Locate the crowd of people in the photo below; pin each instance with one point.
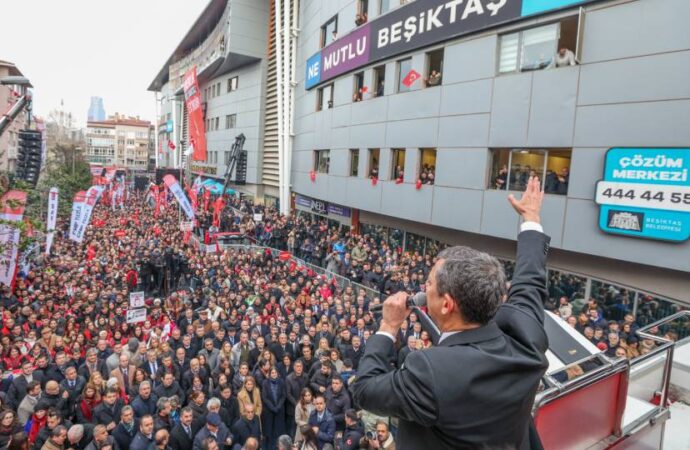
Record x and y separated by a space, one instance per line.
239 349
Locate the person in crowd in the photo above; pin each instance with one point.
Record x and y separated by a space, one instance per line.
216 429
322 423
144 437
247 427
126 428
564 58
182 435
57 439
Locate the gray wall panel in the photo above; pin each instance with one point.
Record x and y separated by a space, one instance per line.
367 136
587 167
370 111
498 217
460 167
459 209
414 105
466 98
404 200
464 131
510 110
553 108
471 60
412 133
552 217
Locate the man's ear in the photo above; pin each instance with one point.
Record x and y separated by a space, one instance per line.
448 305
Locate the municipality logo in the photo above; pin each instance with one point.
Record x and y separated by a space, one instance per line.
625 220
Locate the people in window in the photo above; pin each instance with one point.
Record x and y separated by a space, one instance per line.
564 58
379 88
434 78
399 174
374 172
428 174
361 19
502 178
357 96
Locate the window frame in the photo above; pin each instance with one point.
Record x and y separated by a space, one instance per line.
319 97
377 71
324 31
511 150
395 156
400 77
230 87
370 155
354 165
319 157
359 76
427 66
227 121
420 166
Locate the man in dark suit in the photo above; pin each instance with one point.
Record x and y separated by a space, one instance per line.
476 387
93 364
128 427
108 412
182 436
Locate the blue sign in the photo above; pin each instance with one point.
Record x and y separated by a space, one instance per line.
530 7
169 126
646 193
313 71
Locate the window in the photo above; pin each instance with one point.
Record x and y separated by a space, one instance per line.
358 87
404 68
398 164
216 126
230 121
379 80
384 6
362 16
354 162
537 48
373 166
232 84
434 68
325 98
322 161
329 31
427 165
218 88
511 169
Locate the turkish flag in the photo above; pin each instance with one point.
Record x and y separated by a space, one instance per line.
171 145
120 233
411 77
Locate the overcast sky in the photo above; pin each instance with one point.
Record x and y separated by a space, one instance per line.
75 49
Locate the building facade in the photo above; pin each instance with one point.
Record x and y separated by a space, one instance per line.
228 45
119 141
96 110
9 140
417 119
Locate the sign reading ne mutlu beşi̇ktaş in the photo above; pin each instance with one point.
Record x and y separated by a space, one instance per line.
646 193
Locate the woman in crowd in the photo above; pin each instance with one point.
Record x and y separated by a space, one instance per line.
249 394
302 411
88 401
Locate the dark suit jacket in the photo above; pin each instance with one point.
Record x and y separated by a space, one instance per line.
179 439
476 388
122 436
104 415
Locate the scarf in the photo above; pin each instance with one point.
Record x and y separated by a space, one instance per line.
36 426
87 406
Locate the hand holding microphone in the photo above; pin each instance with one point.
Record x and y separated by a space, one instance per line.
419 299
398 306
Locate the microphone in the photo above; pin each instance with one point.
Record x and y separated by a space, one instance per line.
419 299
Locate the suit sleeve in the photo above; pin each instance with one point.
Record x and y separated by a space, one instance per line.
528 287
406 393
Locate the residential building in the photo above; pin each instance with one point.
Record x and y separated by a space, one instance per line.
119 141
9 139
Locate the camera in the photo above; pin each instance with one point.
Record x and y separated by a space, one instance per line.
371 435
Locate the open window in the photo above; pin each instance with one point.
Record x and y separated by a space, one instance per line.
362 15
511 169
322 161
373 166
404 68
384 6
427 165
233 84
325 98
379 81
354 162
434 68
547 46
398 165
358 87
329 31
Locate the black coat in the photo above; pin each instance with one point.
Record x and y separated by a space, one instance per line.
485 379
179 439
244 429
293 389
124 437
103 415
276 404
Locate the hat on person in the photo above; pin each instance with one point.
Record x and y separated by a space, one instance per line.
213 419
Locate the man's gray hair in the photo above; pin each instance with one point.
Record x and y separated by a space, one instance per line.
284 442
75 432
162 402
213 402
144 384
475 280
126 409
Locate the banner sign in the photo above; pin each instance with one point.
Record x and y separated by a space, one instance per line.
81 212
258 217
418 24
187 226
136 315
136 299
77 212
321 207
303 201
338 210
197 132
51 220
176 189
13 203
646 193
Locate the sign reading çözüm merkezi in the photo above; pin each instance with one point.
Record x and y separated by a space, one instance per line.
646 193
415 25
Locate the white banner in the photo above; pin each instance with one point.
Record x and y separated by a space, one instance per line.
187 226
258 217
9 235
77 213
136 299
52 217
84 214
176 189
136 315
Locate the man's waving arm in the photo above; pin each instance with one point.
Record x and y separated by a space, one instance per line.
528 287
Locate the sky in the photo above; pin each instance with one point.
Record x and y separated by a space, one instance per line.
72 50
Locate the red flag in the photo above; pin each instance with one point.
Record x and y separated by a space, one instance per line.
374 181
187 235
218 250
312 176
418 184
218 206
411 77
207 199
171 145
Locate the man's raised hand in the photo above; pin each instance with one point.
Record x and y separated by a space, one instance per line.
529 206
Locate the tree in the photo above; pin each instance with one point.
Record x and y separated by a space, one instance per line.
69 172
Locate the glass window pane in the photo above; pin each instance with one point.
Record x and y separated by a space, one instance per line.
385 6
414 243
557 172
395 239
499 169
569 287
508 58
525 163
404 68
539 47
